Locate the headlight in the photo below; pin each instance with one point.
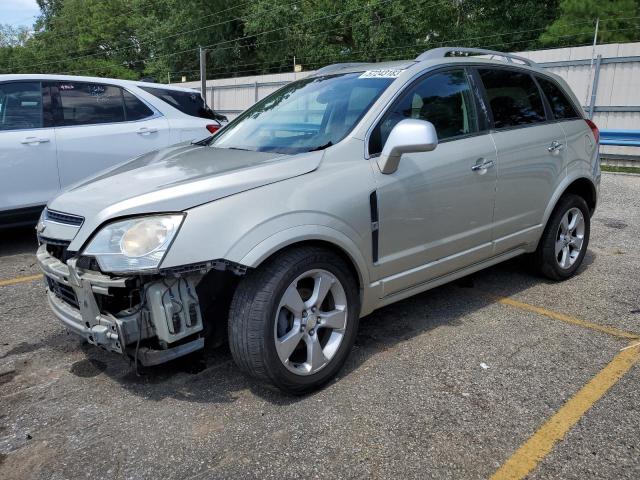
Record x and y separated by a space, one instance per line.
134 245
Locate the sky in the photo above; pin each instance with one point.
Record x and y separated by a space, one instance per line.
18 12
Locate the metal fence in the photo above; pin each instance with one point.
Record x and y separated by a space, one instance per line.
606 79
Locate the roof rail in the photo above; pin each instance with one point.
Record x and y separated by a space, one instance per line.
444 51
336 66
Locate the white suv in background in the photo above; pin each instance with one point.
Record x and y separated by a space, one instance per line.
56 130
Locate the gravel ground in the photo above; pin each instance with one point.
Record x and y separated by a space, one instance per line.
413 400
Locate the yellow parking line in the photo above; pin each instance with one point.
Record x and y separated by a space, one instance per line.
527 457
565 318
13 281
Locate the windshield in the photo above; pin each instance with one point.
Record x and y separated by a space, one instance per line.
307 115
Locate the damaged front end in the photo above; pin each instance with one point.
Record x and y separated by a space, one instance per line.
155 317
152 317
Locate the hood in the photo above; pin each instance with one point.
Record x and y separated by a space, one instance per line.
175 179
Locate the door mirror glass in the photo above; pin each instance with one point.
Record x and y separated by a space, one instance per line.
408 136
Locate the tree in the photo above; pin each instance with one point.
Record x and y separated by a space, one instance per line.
13 36
49 10
160 38
325 31
576 23
175 29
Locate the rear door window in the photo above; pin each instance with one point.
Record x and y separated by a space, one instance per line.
513 96
561 106
90 104
189 103
20 106
444 99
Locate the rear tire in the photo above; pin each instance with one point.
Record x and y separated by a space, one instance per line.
294 319
565 239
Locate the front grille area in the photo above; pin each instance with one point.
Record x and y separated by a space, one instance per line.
64 218
57 248
63 292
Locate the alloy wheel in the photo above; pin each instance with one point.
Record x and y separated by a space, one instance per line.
311 321
570 238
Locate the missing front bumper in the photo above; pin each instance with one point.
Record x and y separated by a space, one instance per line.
169 321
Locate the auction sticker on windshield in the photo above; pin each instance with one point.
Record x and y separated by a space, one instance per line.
383 73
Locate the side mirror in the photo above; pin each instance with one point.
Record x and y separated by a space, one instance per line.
408 136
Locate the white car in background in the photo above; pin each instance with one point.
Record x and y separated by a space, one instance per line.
56 130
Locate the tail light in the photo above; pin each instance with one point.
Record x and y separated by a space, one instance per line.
594 129
213 128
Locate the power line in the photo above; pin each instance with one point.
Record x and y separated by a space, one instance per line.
237 39
256 44
464 39
386 18
138 44
395 57
126 13
388 48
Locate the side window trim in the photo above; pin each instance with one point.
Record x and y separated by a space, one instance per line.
481 99
48 120
57 105
401 94
548 112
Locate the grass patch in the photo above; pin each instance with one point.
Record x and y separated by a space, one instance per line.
609 168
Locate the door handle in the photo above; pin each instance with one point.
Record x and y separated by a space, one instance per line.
34 140
482 165
146 131
555 146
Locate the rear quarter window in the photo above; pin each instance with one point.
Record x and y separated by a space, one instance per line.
135 108
189 103
513 96
560 104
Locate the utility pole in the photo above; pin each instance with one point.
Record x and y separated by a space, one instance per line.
203 74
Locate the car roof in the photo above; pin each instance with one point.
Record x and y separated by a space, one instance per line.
75 78
436 57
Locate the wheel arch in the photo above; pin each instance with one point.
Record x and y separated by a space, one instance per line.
582 186
316 235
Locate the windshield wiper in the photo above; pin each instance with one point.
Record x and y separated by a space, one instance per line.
322 147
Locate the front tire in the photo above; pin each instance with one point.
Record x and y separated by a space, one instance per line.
294 319
565 239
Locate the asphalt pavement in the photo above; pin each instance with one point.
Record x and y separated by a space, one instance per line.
452 383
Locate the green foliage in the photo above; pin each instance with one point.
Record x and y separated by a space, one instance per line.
609 168
325 31
619 22
160 38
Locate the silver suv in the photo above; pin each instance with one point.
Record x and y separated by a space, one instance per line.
354 188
